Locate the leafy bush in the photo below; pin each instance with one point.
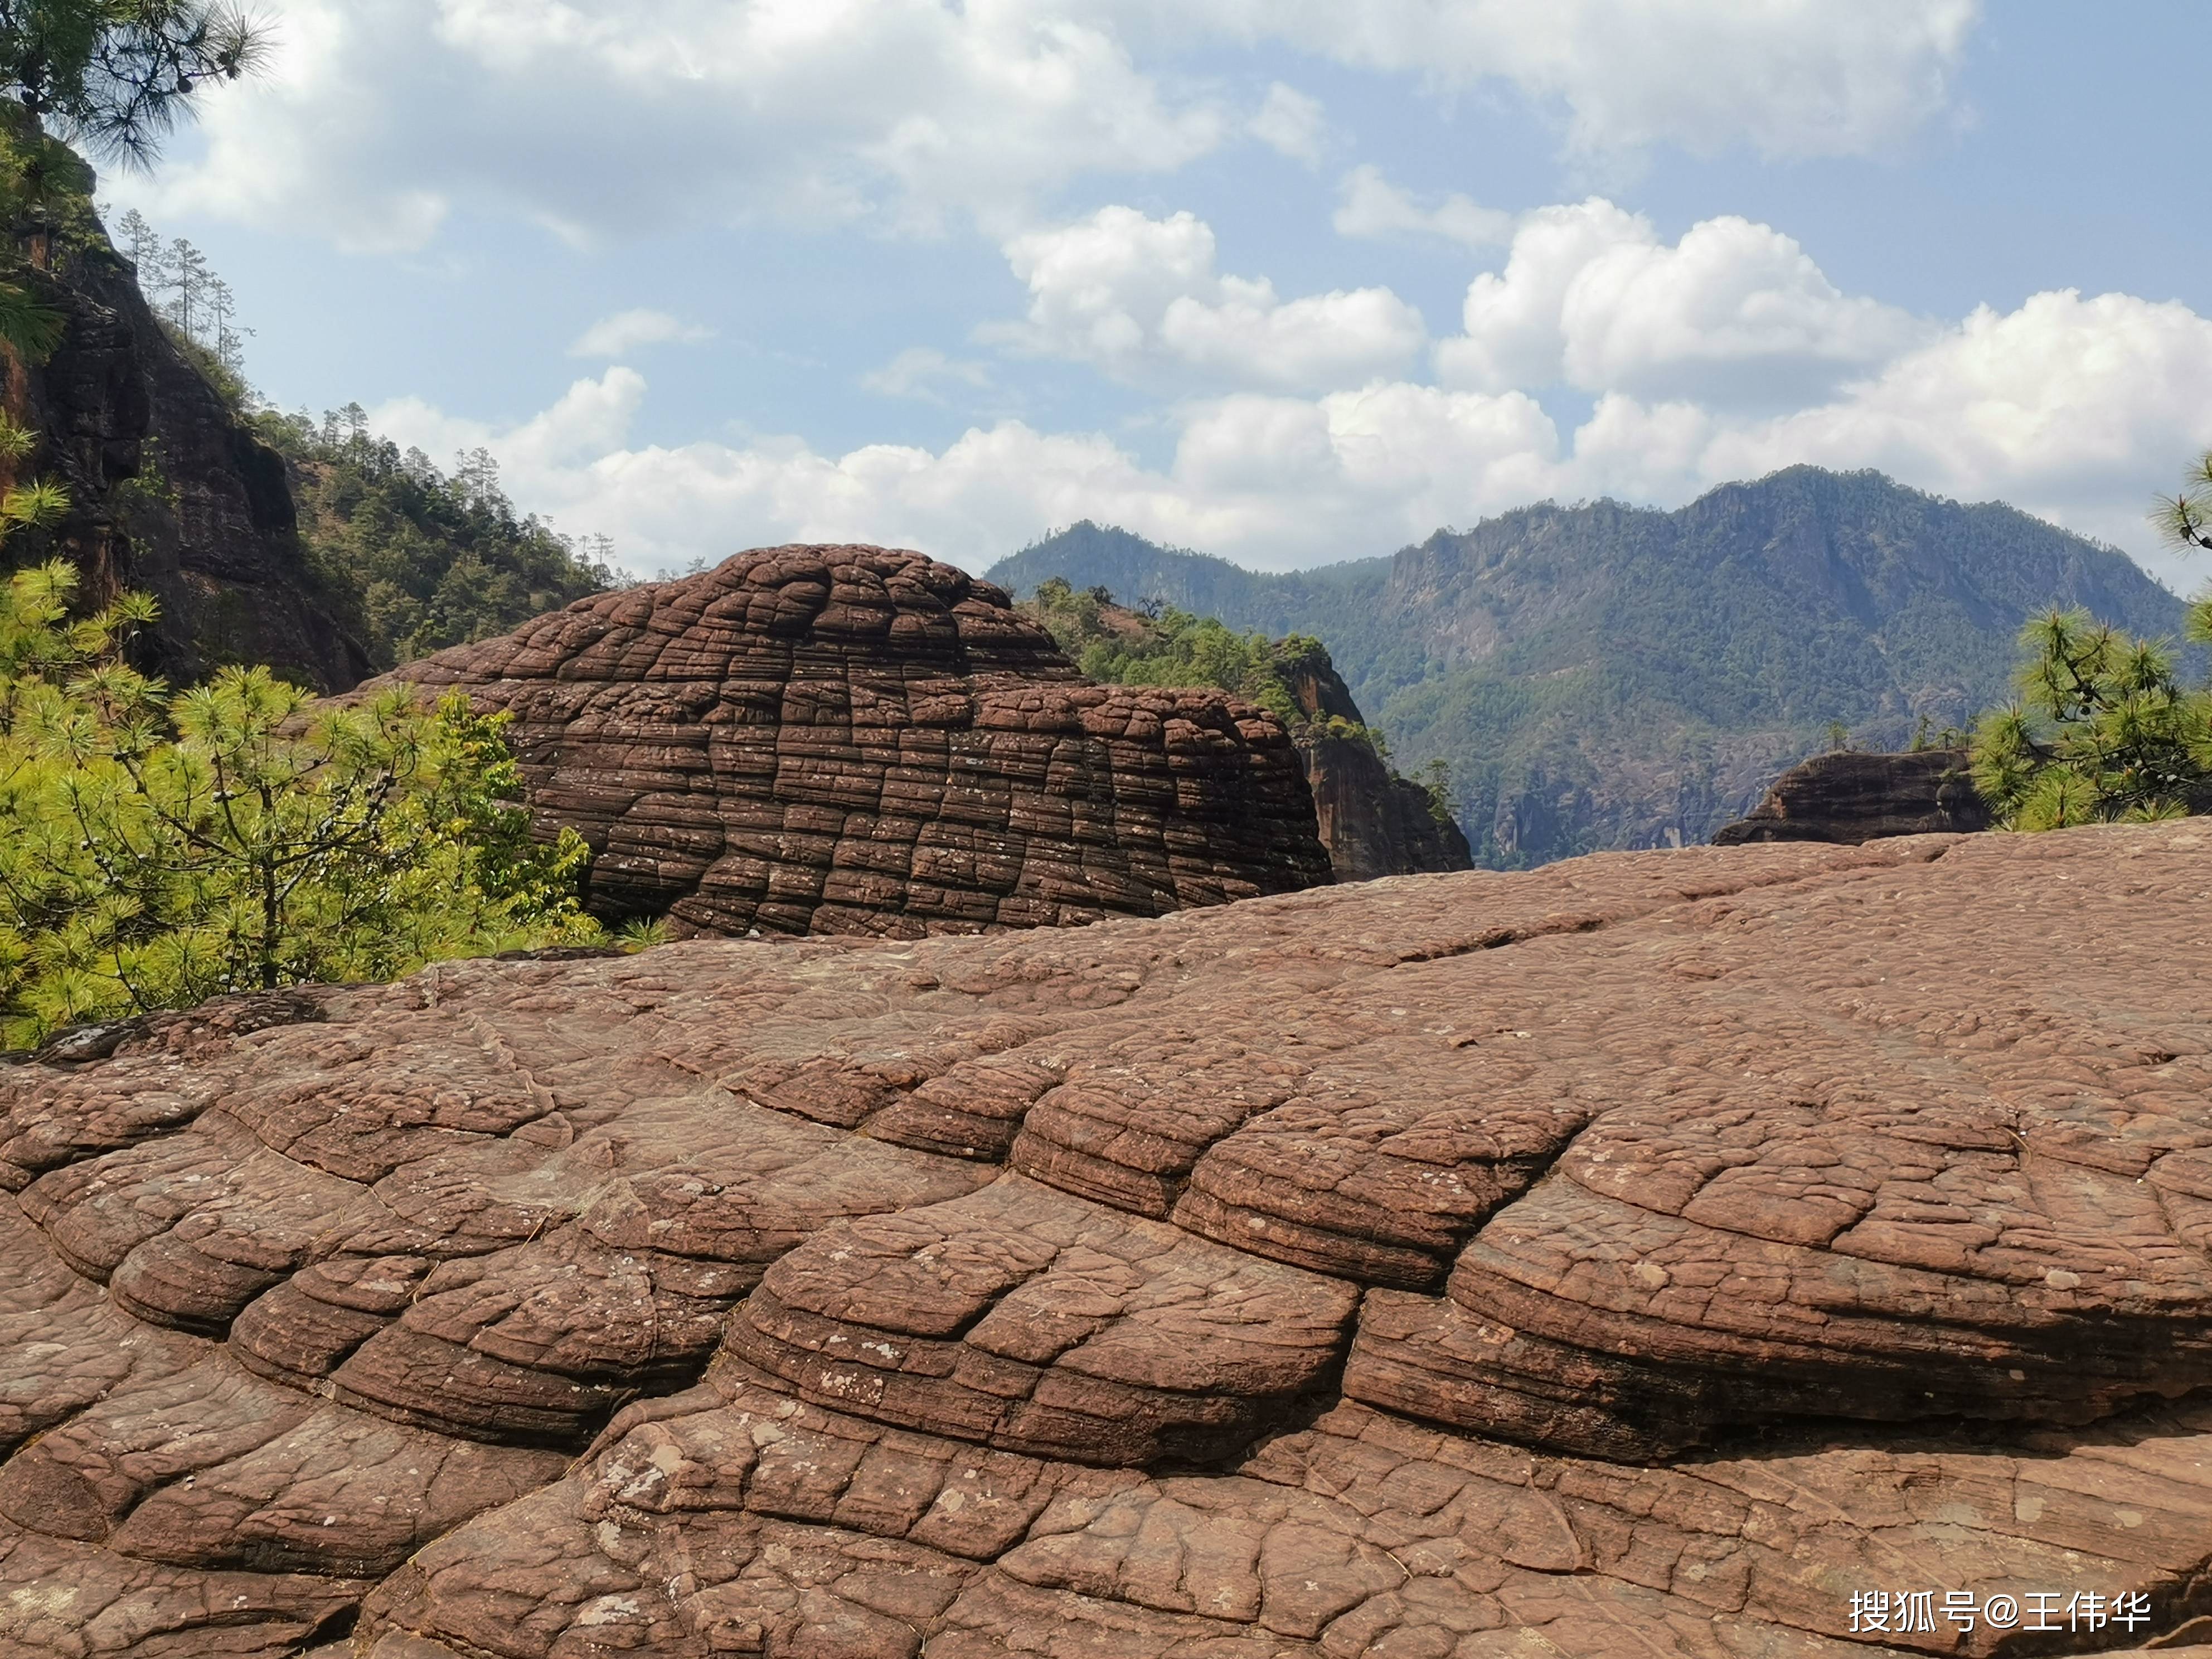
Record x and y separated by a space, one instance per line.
159 847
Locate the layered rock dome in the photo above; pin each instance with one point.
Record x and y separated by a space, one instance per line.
844 740
1646 1255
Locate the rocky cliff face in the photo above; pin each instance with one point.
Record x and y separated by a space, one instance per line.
1373 822
1853 797
857 740
1645 1256
170 492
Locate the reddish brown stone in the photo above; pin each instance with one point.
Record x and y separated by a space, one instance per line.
856 740
1639 1256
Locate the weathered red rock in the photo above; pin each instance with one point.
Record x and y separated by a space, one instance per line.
1643 1255
1851 798
856 740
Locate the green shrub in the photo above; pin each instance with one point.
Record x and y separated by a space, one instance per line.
159 847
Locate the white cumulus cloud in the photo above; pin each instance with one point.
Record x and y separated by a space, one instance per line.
1370 205
1785 78
1291 123
921 371
624 332
1139 298
1734 313
2077 408
601 117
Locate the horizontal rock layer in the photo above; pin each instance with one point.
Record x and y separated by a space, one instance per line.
1853 797
1645 1255
856 740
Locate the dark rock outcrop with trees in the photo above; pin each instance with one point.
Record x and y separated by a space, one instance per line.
1850 797
1373 820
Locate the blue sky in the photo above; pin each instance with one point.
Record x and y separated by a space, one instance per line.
1286 280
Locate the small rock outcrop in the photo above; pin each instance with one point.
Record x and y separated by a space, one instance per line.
1850 797
170 492
1654 1256
844 739
1373 822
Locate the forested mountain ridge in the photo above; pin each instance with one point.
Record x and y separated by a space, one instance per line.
167 490
1608 676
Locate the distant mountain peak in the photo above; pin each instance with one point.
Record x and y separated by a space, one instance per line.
1608 675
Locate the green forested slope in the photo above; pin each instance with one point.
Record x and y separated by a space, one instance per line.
1606 676
410 557
422 558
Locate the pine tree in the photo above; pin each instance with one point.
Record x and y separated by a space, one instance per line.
142 246
187 277
229 340
157 848
2105 730
115 75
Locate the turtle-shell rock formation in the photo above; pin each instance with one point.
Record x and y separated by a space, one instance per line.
1777 1251
858 740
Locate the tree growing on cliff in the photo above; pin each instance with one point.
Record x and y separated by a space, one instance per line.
425 559
160 847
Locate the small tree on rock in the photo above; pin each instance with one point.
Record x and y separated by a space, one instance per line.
2104 729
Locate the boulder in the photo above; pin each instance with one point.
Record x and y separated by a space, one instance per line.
858 740
1847 797
1768 1250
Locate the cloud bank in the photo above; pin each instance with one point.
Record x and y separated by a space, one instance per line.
1305 443
600 118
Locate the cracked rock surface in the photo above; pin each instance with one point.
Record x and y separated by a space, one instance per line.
844 740
1646 1255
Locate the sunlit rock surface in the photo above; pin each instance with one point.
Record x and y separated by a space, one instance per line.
1646 1255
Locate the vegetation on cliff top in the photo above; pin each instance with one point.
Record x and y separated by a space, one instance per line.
1159 645
414 558
1152 644
423 558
